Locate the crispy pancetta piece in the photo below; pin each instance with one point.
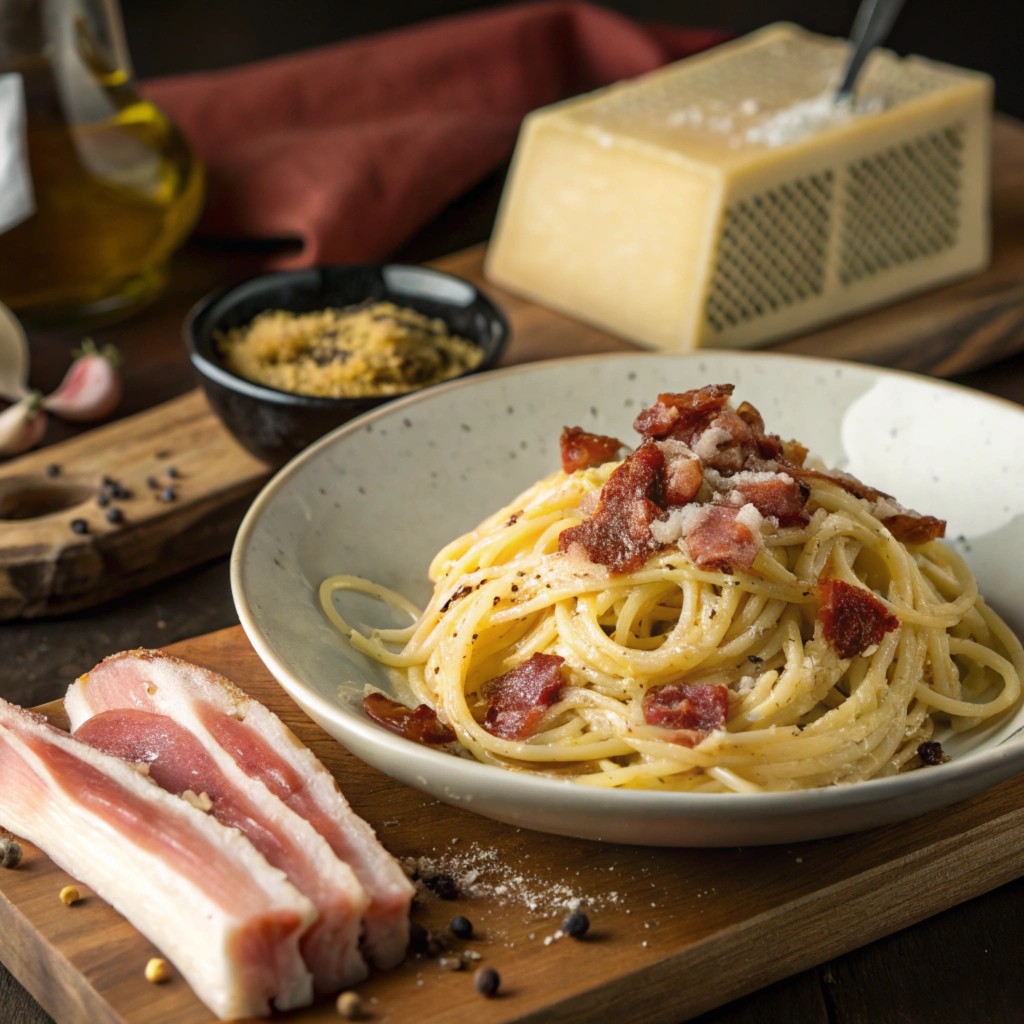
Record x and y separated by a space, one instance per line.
724 538
419 724
618 534
246 739
913 528
852 618
518 700
691 712
228 921
775 495
581 449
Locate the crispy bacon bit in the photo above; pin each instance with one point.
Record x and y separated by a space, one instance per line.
726 443
932 753
852 618
849 483
794 453
769 445
720 542
518 699
455 595
581 449
618 534
911 528
684 473
779 496
692 712
673 413
421 724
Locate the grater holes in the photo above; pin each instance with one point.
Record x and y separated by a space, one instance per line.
772 252
901 204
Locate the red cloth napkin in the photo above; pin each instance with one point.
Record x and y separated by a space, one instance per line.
352 148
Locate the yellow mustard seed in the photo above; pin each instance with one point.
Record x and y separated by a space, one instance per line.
70 894
158 970
349 1006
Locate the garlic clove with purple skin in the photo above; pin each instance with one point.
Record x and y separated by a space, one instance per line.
91 389
22 425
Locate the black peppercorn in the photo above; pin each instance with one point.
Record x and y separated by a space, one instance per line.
487 981
120 492
115 515
576 924
461 927
79 526
102 500
442 886
931 753
167 494
152 483
172 472
419 940
53 470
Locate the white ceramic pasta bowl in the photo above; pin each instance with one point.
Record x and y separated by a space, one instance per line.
382 494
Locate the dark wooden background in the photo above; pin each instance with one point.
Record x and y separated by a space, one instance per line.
962 966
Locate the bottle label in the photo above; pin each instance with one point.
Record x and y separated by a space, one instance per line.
17 200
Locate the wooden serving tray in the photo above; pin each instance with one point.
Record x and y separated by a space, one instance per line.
673 932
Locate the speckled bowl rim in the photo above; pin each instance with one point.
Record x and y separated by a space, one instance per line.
466 774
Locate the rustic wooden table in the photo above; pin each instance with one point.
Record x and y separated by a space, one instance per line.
961 966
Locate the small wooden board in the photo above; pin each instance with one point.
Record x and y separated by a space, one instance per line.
46 567
685 930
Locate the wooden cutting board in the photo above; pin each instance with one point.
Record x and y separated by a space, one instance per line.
45 568
673 932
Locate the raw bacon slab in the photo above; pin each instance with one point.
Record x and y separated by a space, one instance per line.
232 726
178 762
227 920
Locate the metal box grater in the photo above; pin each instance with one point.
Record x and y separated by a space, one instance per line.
727 201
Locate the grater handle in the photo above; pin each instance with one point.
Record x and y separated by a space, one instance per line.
873 22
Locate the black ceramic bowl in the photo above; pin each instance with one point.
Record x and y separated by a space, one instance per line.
275 425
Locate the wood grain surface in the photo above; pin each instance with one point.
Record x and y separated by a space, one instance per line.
46 567
727 921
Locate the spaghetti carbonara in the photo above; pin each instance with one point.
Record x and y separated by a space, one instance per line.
708 613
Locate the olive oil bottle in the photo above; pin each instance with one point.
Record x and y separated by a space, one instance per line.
111 187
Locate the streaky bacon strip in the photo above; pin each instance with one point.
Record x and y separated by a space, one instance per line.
581 449
420 724
720 543
778 496
692 712
518 699
227 920
178 762
852 618
618 534
261 745
911 528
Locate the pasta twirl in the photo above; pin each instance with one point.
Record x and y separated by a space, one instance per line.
741 651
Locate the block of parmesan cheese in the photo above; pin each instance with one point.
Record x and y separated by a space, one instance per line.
727 200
